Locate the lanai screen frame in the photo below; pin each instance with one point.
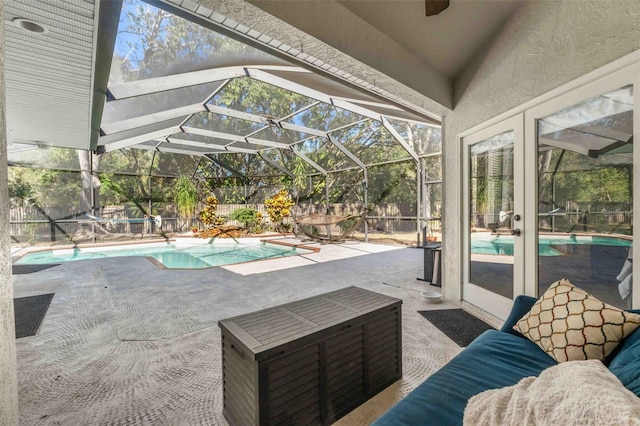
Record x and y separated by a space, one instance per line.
164 135
170 131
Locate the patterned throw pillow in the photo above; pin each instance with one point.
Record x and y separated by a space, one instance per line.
569 324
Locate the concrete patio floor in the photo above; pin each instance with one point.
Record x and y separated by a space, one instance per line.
127 343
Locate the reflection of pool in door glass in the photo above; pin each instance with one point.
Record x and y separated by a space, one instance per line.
491 207
585 188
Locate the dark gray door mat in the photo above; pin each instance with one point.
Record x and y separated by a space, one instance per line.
29 313
460 326
28 269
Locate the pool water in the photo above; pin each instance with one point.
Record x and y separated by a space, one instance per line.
175 256
503 244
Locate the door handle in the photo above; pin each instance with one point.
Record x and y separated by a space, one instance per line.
516 232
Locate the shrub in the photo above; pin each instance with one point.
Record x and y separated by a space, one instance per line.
279 207
248 216
208 216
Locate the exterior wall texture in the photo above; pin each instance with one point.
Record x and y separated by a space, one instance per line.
8 371
546 44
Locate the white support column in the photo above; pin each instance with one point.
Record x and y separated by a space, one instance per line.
419 187
366 204
8 365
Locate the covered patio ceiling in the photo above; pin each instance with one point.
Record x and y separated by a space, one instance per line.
166 83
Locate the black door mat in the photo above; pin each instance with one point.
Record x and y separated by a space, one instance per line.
29 313
460 326
28 269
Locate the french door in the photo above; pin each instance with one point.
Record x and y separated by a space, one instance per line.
550 194
493 256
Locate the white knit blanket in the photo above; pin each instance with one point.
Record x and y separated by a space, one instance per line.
571 393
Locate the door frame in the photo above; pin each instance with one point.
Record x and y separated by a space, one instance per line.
486 300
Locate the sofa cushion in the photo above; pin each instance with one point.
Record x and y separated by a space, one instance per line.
495 359
552 398
626 363
570 324
521 305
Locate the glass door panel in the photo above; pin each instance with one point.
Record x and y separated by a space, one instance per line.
494 254
491 208
585 196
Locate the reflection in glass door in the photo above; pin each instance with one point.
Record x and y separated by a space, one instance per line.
585 188
494 246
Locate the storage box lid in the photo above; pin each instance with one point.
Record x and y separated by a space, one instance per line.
262 332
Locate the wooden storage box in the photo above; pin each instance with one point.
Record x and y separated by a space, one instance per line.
311 361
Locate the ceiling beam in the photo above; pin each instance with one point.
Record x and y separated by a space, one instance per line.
263 120
165 147
135 140
399 138
267 143
276 165
225 166
308 160
311 93
346 126
193 78
213 134
105 32
137 135
216 109
145 120
224 148
302 129
346 152
176 81
232 137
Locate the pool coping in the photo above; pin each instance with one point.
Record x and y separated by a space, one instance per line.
157 263
162 266
32 249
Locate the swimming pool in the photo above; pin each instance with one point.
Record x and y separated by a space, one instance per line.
173 255
547 245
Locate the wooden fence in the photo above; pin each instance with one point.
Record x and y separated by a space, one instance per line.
570 217
34 223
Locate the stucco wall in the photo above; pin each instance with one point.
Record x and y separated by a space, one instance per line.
546 44
8 376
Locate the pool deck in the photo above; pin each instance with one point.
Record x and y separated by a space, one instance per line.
124 342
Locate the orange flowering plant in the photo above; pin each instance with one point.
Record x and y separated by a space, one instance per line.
208 216
279 207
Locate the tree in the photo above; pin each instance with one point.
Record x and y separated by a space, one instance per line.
185 195
21 191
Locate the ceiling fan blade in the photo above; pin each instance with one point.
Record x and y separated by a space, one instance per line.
433 7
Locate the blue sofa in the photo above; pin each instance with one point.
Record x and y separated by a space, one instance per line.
493 360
